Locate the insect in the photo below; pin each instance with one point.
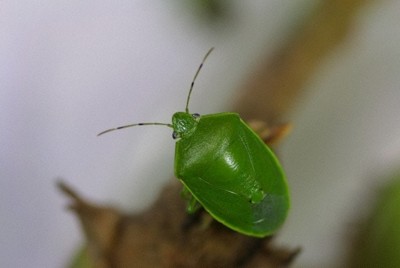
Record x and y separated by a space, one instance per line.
227 169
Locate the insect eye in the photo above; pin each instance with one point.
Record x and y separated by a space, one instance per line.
196 115
175 135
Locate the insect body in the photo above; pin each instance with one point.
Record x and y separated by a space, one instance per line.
229 170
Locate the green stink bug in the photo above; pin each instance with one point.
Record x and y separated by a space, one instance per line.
226 168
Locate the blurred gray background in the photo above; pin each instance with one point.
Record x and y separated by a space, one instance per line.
70 69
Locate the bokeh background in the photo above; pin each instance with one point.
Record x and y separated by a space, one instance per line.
70 69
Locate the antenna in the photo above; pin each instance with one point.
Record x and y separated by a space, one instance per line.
133 125
164 124
195 76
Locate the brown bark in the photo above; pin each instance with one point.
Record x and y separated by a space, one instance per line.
165 236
